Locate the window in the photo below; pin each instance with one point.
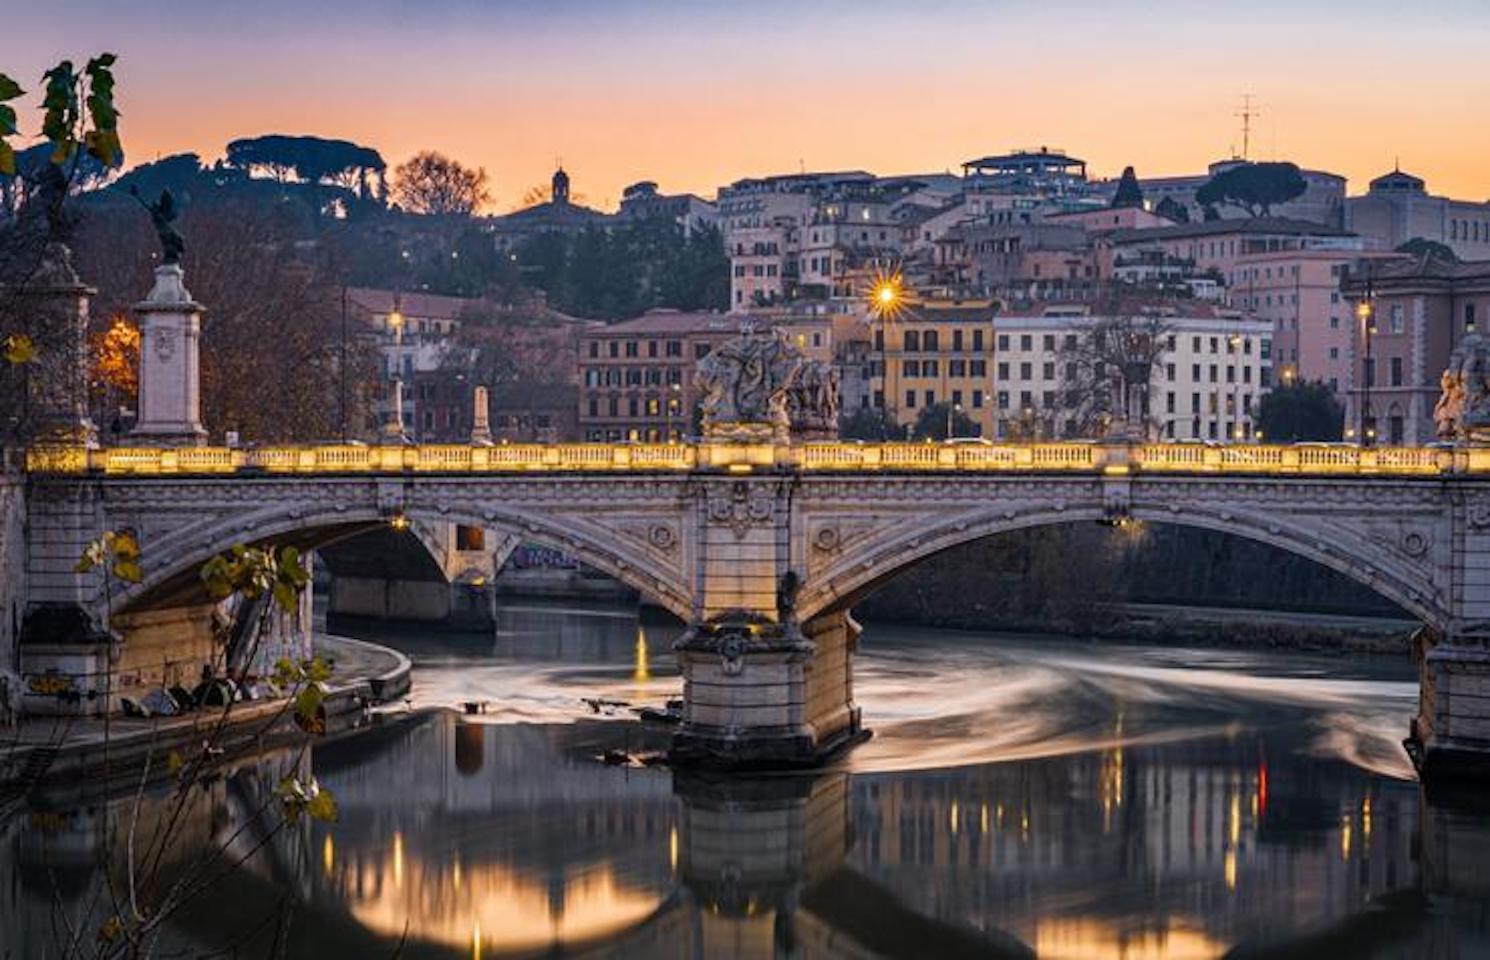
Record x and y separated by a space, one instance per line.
910 399
977 399
1213 373
1194 344
1026 342
1194 403
1003 369
930 398
912 341
1469 318
929 340
930 368
956 368
956 398
651 348
1047 372
1026 370
957 340
1003 399
1049 341
1169 370
1334 323
615 348
910 368
978 368
675 348
879 340
1026 399
1396 371
977 341
1195 372
1396 318
594 348
1369 366
1169 402
1003 341
630 348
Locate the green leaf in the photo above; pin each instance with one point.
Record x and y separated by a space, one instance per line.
308 701
7 120
285 596
322 806
9 89
318 671
7 159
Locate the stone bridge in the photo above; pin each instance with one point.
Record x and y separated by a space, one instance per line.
763 548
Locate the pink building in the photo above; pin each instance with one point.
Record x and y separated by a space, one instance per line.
1213 247
1298 291
1418 310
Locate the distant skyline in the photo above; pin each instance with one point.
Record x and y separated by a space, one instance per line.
696 96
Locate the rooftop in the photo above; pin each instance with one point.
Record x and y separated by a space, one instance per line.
410 303
672 322
1268 226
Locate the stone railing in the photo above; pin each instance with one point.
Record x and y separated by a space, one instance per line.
835 457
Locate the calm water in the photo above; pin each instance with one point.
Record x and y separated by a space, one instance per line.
1020 798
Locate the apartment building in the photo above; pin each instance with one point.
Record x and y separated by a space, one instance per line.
636 377
1298 291
1209 374
935 354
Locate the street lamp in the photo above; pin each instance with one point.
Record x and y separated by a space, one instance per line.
1366 312
951 409
674 389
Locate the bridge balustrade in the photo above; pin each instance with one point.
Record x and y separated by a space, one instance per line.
1069 456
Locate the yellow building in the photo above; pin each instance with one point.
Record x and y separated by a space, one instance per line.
934 352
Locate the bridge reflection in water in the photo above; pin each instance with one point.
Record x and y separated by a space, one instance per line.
480 840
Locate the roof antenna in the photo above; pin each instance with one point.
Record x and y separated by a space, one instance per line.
1248 113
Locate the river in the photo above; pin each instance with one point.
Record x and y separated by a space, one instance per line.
1022 796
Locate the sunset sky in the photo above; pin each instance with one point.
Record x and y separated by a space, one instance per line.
694 94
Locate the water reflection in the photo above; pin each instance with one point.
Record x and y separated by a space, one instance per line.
1169 823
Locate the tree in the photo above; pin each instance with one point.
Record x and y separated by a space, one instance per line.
309 160
872 424
1106 371
1171 209
272 345
933 421
434 184
1129 193
1306 410
41 348
1253 187
1429 250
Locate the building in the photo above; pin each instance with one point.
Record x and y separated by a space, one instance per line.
1322 202
1212 247
413 330
642 202
1407 317
1298 292
636 377
1206 381
1398 208
558 214
935 353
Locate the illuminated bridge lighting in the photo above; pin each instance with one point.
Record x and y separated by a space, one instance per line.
1095 458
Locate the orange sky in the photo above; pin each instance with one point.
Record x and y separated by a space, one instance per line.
694 95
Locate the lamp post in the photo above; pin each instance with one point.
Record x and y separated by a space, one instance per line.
1366 311
395 426
674 389
951 409
1235 343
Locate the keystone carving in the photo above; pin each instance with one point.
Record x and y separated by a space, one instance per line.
742 510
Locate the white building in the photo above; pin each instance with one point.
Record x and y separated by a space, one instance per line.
1209 376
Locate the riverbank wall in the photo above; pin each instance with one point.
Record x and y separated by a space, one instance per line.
12 578
45 750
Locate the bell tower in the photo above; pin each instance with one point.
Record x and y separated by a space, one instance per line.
561 186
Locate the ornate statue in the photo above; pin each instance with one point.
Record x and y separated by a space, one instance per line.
744 387
163 216
812 400
1450 407
1463 409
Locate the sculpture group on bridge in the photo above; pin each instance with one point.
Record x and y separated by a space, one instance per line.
759 388
1463 410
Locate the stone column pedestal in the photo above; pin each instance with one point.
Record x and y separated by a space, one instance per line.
1450 736
767 695
170 412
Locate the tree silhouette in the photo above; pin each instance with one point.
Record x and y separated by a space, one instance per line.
1253 187
434 184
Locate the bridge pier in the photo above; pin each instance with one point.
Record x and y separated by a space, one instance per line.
1450 736
762 694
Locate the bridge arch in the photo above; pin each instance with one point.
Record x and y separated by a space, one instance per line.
171 562
865 566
